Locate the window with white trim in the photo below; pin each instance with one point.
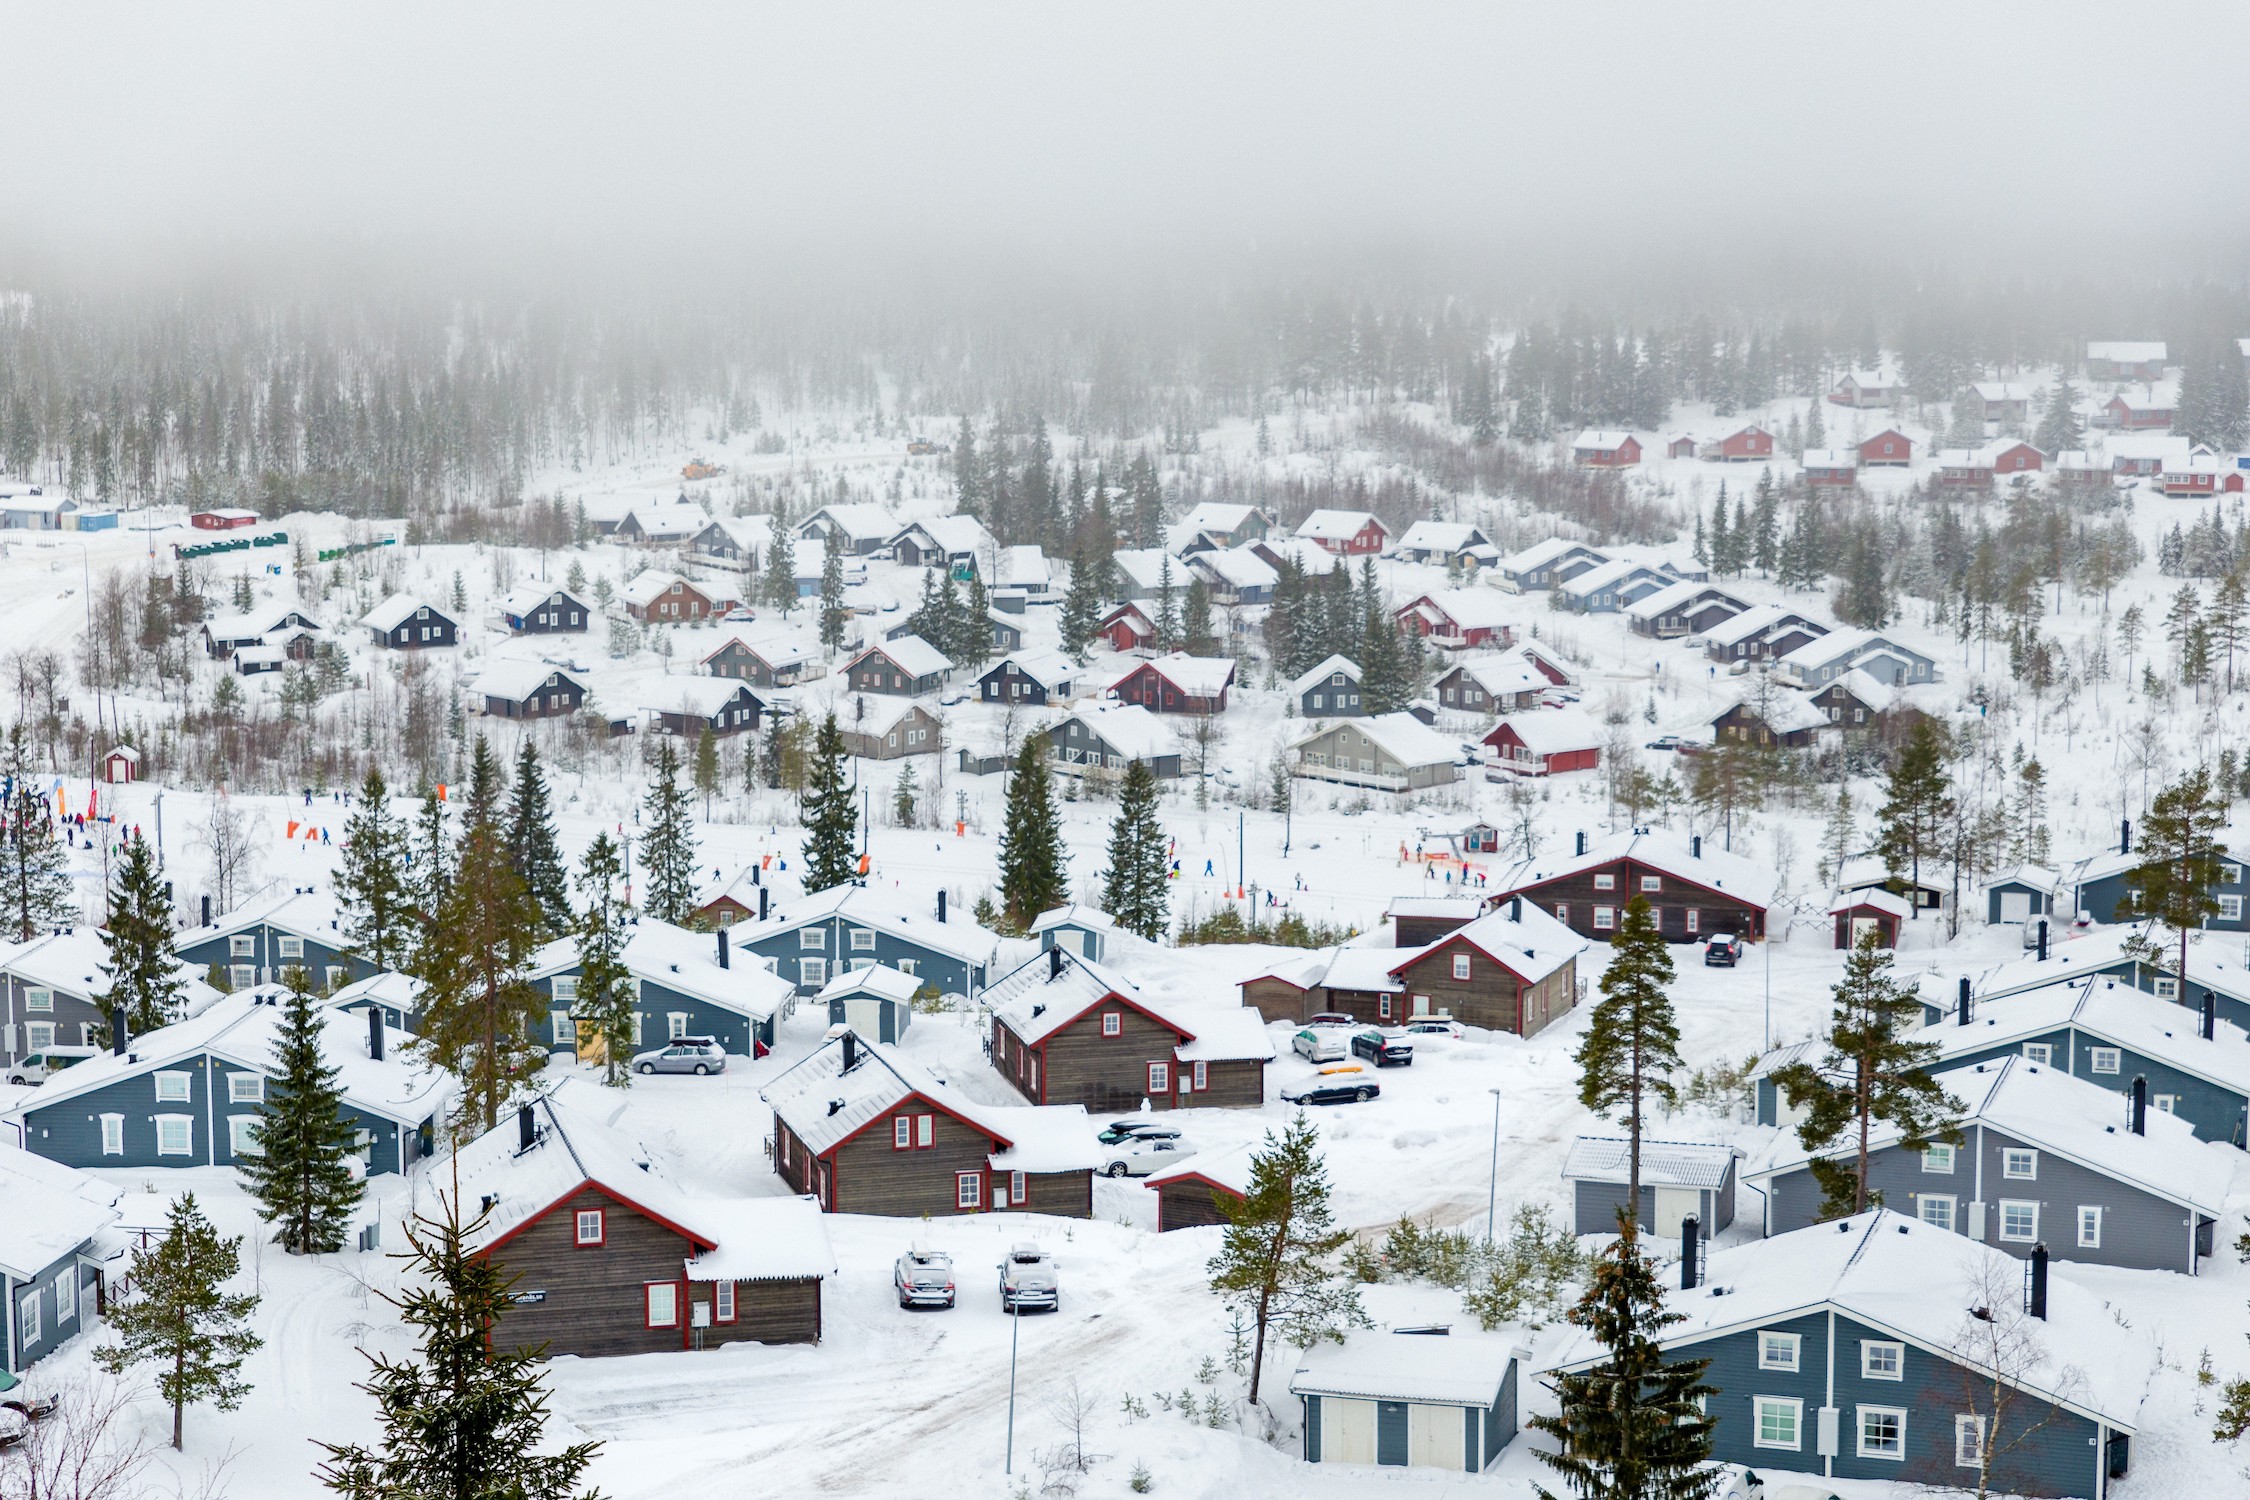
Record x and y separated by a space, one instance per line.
2042 1053
1605 918
1780 1421
241 976
39 999
1159 1078
27 1319
172 1087
113 1135
175 1135
1651 884
1882 1359
1778 1351
1113 1023
863 940
1605 882
2089 1226
2105 1059
1968 1440
663 1304
1882 1432
2230 908
242 1135
588 1228
722 1301
565 987
292 947
39 1036
66 1296
675 1024
1937 1158
1460 966
811 937
244 946
812 971
2019 1220
564 1030
2167 989
968 1190
1936 1210
2019 1164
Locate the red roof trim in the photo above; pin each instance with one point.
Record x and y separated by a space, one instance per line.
1158 1187
1458 936
643 1210
1629 894
1088 1009
912 1094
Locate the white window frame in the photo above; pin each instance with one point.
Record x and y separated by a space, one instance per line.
1780 1351
809 938
1113 1023
2166 988
968 1190
242 945
2023 1236
66 1296
1460 966
863 940
185 1123
2230 908
561 1028
1605 882
242 976
242 1135
39 998
1779 1406
1605 919
174 1086
113 1135
2105 1059
39 1036
246 1088
292 947
675 1025
1924 1202
1968 1440
2041 1053
812 972
1882 1359
1938 1159
2089 1226
565 989
1897 1450
2019 1164
1651 884
27 1318
578 1235
722 1300
661 1296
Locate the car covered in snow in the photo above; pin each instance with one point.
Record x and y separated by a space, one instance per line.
1434 1026
1723 951
1322 1044
1139 1155
1339 1085
923 1278
1028 1278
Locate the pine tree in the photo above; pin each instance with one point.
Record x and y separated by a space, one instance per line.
1765 525
668 848
1633 1426
35 890
1816 431
481 1019
432 859
1034 865
143 972
1840 837
1082 607
2058 424
301 1174
2177 885
1135 890
833 613
1275 1258
605 988
1168 624
487 783
1917 804
781 559
829 812
181 1319
371 880
467 1418
707 768
1722 535
968 470
1871 1071
1195 621
2030 839
1632 1045
534 852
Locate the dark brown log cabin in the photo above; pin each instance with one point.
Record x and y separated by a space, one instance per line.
590 1294
1190 1202
779 1311
1417 921
1590 897
1460 979
1281 997
1063 1034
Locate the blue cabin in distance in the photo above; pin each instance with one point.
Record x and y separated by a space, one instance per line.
1078 929
1426 1398
2098 888
810 938
259 943
877 1003
687 983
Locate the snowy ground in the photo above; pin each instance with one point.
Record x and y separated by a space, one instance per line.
915 1404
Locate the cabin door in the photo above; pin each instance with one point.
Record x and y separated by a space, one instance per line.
1433 1437
1862 926
1673 1205
2015 906
1347 1431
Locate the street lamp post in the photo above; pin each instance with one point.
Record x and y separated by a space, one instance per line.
1492 1189
1015 1337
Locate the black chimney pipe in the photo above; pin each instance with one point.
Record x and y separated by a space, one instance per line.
851 1050
2042 921
1581 841
2210 1015
206 911
1515 908
117 1034
765 901
1961 1006
754 880
1691 1236
1054 962
1695 846
375 1032
941 903
527 1132
2140 1105
723 948
2125 836
2038 1307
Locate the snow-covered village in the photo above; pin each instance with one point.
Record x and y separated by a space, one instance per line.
1305 862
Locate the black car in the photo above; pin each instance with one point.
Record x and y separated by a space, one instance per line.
1131 1130
1723 951
1331 1089
1383 1051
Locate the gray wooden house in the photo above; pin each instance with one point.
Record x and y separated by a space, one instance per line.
1390 752
528 690
907 666
1328 691
772 661
1034 678
260 942
1680 1180
404 623
1111 736
50 1270
1423 1398
877 1003
811 938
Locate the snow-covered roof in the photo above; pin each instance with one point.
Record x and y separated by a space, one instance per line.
1678 596
1919 1284
1505 675
2158 447
1223 1035
1216 515
779 652
75 962
701 696
1831 458
1539 554
2000 390
402 992
762 1239
1305 682
1441 536
2126 351
243 1028
682 959
575 1142
2109 1010
1401 736
677 521
650 585
911 654
955 536
255 623
528 597
753 533
1471 609
302 913
1599 440
1230 1169
2037 877
1785 712
1863 686
1872 380
1530 942
2164 395
1750 622
882 981
1553 731
1048 991
1835 645
1196 676
1129 729
1464 908
1609 574
874 909
393 612
1448 1369
1714 869
1238 567
1370 969
861 521
1023 566
1075 915
52 1210
1681 1164
517 680
1052 670
1335 525
1144 568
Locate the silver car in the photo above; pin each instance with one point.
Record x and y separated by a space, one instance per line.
1028 1279
688 1054
1139 1155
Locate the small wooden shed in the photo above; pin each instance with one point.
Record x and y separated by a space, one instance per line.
121 765
1425 1398
877 1002
1193 1193
1678 1178
1860 912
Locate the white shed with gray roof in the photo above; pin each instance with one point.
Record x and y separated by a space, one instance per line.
1679 1179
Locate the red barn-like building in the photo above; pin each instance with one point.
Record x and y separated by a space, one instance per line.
1597 449
1890 447
1129 627
1178 684
1744 446
223 520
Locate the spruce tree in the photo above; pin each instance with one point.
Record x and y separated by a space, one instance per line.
1168 625
1632 1044
1816 431
1871 1071
833 612
781 560
143 971
1765 525
707 768
668 848
1082 607
1034 866
905 797
181 1319
534 853
1917 805
371 880
487 782
829 812
1722 535
2176 885
1196 634
2058 425
431 859
301 1174
605 988
1275 1262
465 1418
35 889
481 1019
1632 1427
1135 890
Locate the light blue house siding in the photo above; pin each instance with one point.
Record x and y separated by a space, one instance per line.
2040 1449
261 954
1484 1430
811 955
408 1021
70 1130
656 1010
2217 1111
59 1301
2108 898
2041 900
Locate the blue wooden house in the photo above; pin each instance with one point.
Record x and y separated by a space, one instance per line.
2044 1158
191 1094
877 1003
1864 1350
1679 1180
397 996
810 938
259 943
2098 887
2216 973
687 983
54 996
2020 894
1329 691
1425 1398
1081 929
50 1272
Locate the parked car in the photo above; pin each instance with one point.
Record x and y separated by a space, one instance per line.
1724 951
1322 1044
1332 1087
1434 1026
1665 742
1137 1156
1126 1130
25 1399
924 1278
740 614
687 1054
36 1068
1028 1279
1383 1051
1331 1017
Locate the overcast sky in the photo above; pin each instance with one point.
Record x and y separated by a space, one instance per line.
1049 130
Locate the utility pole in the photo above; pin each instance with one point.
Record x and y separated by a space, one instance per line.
1492 1190
1015 1337
1241 867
